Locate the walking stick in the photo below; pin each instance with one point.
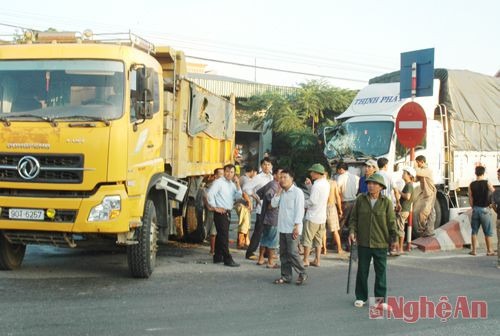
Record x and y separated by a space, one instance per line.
409 228
352 255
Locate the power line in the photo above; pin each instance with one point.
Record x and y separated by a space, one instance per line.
276 69
241 64
196 43
14 26
284 57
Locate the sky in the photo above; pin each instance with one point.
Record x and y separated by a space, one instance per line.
347 42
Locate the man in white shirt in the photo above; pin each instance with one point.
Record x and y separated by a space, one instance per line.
290 201
251 188
348 184
392 190
314 226
221 196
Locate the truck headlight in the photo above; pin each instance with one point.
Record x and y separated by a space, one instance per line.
108 209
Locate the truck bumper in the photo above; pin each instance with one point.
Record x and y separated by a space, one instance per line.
71 214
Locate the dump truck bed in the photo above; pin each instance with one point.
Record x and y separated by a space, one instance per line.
199 126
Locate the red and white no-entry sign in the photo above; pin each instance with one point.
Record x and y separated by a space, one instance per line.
411 125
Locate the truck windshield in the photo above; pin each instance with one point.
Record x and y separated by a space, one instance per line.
38 89
359 139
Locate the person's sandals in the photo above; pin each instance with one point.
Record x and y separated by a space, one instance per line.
491 254
301 279
472 253
273 266
260 264
312 263
281 281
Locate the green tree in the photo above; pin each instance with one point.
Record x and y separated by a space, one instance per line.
309 101
274 110
295 120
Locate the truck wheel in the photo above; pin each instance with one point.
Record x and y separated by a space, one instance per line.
142 256
11 255
436 214
445 210
194 228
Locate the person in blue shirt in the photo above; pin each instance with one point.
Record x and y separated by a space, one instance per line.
370 168
221 196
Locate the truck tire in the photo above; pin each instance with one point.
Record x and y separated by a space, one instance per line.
445 209
142 256
194 228
436 214
11 255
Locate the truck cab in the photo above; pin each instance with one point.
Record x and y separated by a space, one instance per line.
91 137
462 132
366 130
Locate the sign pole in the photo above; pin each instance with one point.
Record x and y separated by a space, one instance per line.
411 122
409 229
413 80
412 152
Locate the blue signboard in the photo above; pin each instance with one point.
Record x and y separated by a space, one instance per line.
425 72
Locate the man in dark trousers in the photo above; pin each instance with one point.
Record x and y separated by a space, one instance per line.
251 189
373 226
479 192
221 198
290 201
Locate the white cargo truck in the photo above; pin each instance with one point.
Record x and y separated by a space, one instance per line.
463 130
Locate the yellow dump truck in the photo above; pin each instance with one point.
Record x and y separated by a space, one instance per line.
103 137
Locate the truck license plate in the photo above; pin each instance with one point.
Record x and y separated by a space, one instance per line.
28 214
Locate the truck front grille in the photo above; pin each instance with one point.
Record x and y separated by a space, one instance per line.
58 168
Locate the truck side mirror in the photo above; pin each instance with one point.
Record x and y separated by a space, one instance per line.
144 84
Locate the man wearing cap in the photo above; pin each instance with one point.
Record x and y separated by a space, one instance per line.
373 226
406 200
370 169
315 219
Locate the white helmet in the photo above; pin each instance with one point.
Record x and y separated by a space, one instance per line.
411 171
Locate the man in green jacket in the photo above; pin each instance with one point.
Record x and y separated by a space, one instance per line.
373 226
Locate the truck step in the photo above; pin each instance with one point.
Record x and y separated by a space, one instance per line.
58 239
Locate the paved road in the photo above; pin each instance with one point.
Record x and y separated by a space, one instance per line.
62 292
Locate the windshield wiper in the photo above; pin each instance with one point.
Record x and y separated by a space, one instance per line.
5 121
93 118
360 155
47 119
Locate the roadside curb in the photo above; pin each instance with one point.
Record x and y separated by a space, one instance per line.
452 235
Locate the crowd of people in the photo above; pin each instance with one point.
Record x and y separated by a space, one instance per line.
369 211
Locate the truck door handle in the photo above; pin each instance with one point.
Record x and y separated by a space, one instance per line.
150 145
